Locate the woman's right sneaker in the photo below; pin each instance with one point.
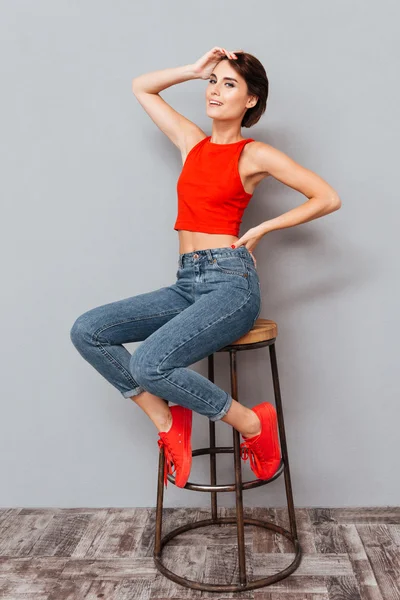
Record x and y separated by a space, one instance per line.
263 448
177 444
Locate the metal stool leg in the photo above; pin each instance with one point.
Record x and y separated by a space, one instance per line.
213 460
238 477
282 435
159 506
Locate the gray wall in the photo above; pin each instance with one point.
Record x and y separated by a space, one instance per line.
89 202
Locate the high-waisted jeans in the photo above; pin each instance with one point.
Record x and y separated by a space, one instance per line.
215 300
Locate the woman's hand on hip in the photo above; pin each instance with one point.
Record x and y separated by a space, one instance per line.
250 239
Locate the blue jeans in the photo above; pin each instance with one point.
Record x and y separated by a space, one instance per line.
215 300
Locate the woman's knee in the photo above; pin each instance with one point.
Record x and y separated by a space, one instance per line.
82 330
143 368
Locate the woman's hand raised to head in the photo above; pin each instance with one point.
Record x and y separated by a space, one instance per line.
205 65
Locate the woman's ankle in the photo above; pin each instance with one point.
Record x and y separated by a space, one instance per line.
243 419
166 424
253 428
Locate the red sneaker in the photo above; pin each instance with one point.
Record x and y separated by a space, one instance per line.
263 448
177 445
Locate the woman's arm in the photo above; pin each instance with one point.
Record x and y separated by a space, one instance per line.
156 81
181 131
322 197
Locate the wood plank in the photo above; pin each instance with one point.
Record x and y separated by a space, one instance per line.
222 568
186 562
20 533
333 565
384 556
62 533
110 569
361 566
368 514
117 536
126 589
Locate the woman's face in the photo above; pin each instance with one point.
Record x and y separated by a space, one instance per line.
229 89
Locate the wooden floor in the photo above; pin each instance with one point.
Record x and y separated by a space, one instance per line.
71 554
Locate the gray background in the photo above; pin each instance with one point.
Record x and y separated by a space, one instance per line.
89 202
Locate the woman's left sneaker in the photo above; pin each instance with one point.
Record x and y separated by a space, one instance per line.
263 448
177 444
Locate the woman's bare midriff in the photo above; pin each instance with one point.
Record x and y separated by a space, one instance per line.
190 241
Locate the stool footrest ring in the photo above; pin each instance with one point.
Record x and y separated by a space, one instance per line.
247 585
225 487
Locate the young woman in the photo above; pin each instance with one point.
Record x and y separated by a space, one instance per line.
216 296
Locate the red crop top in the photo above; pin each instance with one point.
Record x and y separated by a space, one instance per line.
211 196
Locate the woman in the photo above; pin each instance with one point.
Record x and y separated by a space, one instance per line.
216 297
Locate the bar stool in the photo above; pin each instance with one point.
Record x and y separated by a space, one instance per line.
263 333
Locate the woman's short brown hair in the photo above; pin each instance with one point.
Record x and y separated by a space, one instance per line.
253 72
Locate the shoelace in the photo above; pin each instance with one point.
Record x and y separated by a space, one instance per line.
168 460
246 451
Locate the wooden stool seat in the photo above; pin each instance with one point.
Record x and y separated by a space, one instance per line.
262 330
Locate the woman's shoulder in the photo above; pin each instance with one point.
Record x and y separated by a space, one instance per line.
261 155
193 139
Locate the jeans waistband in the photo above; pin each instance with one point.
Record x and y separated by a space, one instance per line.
191 258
